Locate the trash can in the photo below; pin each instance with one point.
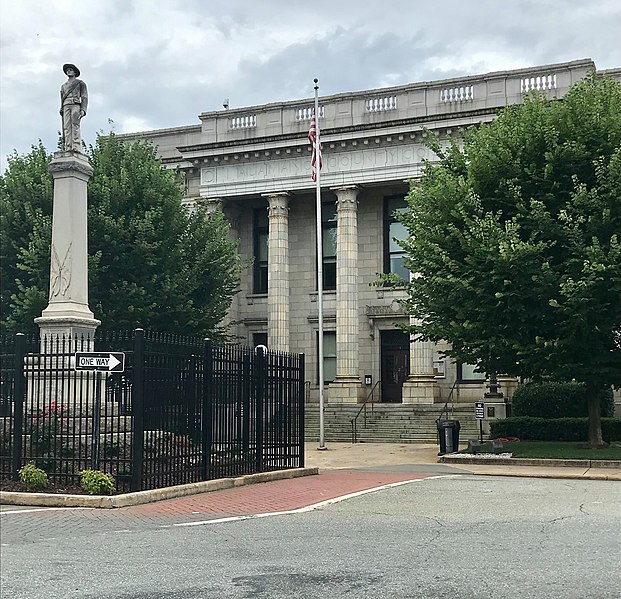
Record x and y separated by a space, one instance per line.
448 435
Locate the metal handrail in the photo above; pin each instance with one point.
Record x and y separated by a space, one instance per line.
307 386
445 408
363 408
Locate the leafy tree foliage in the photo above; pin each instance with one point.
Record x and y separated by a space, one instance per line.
26 191
515 242
151 264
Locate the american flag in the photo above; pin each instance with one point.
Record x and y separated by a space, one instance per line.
312 137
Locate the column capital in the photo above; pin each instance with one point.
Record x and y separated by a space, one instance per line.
341 189
278 204
212 204
70 164
276 194
346 197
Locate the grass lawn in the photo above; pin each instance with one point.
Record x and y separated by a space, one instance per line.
557 450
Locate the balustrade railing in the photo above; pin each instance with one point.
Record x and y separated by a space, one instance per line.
306 113
539 83
457 94
247 121
381 104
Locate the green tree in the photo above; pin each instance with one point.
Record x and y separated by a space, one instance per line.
151 263
26 191
515 242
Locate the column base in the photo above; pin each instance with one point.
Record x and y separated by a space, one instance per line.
346 390
421 390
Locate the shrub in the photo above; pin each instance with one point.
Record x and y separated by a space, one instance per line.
34 478
553 429
557 400
96 482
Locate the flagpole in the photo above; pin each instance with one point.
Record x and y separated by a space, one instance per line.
317 151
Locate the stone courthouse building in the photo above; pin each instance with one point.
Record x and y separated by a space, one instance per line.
254 164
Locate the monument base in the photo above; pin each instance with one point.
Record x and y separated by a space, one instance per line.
80 328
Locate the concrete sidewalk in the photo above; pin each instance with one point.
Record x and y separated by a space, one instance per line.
424 458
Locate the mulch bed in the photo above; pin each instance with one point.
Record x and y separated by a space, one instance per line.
19 487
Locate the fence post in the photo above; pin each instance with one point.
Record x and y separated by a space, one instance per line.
260 381
245 394
18 403
301 407
206 409
138 412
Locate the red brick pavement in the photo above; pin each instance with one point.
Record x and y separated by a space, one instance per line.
275 496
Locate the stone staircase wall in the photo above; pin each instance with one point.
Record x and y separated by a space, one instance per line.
386 423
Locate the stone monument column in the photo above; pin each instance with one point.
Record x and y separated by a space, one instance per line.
278 272
67 312
346 387
420 387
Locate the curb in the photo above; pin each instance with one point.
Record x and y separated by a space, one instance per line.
558 474
447 459
141 497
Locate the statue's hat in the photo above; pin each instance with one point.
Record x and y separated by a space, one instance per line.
68 66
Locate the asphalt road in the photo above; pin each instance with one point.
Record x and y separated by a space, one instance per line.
451 536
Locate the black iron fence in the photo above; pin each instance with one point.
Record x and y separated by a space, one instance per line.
182 410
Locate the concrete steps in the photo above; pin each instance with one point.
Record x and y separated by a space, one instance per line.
386 423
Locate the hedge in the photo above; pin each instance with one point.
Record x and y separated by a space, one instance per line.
557 400
553 429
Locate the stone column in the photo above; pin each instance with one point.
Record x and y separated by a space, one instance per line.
278 272
67 312
420 387
346 387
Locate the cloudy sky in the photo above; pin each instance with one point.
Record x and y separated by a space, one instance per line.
152 64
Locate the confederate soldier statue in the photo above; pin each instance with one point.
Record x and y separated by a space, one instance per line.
73 105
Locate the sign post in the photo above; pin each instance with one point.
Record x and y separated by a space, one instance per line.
479 414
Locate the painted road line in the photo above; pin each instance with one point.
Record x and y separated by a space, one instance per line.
308 508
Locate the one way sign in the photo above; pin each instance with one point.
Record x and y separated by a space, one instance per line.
102 361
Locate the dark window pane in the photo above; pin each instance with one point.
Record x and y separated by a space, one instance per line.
329 275
329 356
397 267
398 232
259 339
260 251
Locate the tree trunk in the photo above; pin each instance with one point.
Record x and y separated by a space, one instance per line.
595 419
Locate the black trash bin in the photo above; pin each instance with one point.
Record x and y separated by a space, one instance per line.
448 435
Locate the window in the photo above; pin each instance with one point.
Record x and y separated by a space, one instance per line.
466 373
260 235
259 339
394 254
328 236
329 356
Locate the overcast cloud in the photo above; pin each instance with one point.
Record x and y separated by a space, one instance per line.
151 64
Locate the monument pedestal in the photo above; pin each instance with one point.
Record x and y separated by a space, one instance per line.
67 313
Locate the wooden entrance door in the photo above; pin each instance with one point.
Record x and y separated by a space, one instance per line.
395 360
